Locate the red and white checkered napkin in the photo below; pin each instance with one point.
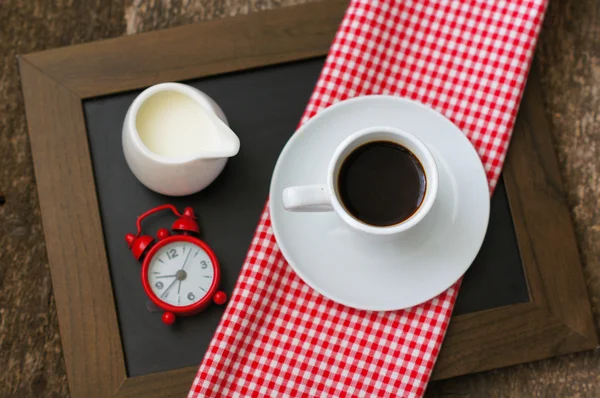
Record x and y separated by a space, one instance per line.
278 337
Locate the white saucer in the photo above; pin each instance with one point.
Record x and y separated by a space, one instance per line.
370 273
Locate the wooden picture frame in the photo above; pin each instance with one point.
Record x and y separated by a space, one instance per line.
558 319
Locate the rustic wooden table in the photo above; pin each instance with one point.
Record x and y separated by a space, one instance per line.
568 56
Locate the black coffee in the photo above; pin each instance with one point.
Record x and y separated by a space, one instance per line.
381 183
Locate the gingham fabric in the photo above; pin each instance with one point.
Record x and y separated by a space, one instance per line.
278 337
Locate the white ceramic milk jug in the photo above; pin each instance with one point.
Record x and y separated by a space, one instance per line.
176 139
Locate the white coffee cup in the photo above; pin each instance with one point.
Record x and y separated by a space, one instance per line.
321 198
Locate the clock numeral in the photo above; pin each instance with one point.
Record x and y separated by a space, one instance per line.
159 285
172 254
191 296
203 264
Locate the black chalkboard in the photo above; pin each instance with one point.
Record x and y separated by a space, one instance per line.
263 107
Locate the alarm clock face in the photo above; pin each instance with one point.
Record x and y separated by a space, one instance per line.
180 273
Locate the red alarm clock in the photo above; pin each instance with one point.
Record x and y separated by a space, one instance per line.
180 273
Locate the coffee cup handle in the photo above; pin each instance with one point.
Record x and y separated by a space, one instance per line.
307 198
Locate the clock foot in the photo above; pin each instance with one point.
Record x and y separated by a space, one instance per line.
168 318
220 298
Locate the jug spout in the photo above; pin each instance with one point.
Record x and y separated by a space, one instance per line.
229 141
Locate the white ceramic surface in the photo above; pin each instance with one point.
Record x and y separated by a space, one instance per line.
382 274
319 198
187 174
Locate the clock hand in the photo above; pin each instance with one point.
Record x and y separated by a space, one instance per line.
185 262
167 289
178 293
166 276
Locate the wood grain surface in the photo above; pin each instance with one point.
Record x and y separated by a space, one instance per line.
76 277
30 349
192 51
